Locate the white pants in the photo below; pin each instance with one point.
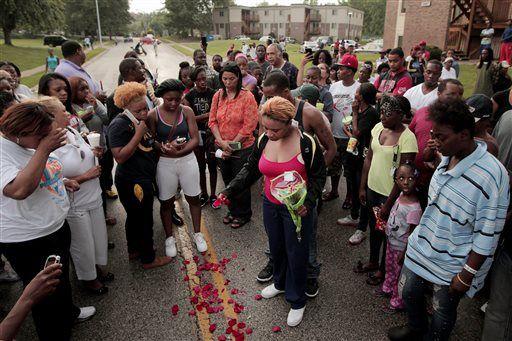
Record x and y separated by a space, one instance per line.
183 171
88 241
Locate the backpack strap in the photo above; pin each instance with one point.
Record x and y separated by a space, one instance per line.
313 147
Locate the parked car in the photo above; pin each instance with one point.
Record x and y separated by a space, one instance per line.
54 40
128 39
242 37
146 40
324 41
374 46
264 39
311 44
290 40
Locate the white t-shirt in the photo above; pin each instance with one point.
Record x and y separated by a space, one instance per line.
88 197
342 97
24 91
41 213
445 74
487 32
418 99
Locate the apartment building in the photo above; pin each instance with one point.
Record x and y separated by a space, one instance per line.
297 21
447 24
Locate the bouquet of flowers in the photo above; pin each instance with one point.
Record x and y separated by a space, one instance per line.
290 189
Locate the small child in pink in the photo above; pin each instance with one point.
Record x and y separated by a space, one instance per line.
403 218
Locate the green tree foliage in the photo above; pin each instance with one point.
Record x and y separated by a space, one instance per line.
374 15
144 22
186 16
81 16
36 14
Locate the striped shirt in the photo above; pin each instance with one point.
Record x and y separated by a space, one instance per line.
466 211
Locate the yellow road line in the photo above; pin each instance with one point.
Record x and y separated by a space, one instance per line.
187 247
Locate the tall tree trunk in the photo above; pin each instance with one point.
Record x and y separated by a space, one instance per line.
7 36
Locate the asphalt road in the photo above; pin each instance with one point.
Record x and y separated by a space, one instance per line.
140 303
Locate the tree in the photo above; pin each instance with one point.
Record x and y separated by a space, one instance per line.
81 16
186 16
374 14
40 14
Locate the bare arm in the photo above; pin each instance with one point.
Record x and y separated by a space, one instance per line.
27 180
192 131
395 192
122 154
320 126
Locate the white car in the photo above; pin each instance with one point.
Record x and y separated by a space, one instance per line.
264 39
313 45
242 37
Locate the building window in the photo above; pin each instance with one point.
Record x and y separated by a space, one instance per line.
221 13
266 13
280 25
334 12
266 25
333 25
280 12
221 25
402 6
400 41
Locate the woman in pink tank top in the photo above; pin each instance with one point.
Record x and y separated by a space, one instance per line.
282 148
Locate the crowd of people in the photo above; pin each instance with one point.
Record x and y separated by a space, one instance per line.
426 175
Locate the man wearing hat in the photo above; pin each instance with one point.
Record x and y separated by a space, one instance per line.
448 71
307 92
480 106
343 93
382 58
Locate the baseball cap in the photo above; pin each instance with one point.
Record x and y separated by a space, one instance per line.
449 59
307 92
480 106
349 60
423 43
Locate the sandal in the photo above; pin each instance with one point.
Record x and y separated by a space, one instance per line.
374 280
97 291
239 222
361 269
381 293
228 219
347 204
329 196
390 310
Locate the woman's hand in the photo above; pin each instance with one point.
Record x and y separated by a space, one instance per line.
93 173
224 145
54 140
43 284
168 149
71 185
92 101
306 59
98 152
433 144
384 212
362 196
355 108
177 145
302 211
141 128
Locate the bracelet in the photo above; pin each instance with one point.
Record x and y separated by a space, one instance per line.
470 269
460 280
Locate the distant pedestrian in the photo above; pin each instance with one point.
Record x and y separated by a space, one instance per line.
484 72
486 34
52 61
506 43
448 70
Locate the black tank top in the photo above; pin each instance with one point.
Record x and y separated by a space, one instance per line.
163 129
298 114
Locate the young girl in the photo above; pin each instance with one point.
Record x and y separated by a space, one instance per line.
403 218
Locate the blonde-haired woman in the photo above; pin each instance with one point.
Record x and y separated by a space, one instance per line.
284 147
132 147
85 216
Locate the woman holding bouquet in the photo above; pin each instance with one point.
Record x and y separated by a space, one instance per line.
284 148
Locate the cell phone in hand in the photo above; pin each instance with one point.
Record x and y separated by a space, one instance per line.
235 145
309 52
181 140
52 259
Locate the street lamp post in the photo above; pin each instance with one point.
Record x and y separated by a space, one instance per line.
99 24
349 19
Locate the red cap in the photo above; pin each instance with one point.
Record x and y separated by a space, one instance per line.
423 43
349 60
417 48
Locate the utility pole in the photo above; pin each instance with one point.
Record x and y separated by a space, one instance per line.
99 24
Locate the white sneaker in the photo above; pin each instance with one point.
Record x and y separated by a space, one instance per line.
170 247
270 291
295 317
8 276
347 221
200 242
357 238
86 313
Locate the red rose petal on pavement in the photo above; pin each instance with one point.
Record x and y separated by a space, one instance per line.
222 337
182 268
241 325
229 330
234 255
234 291
227 282
192 313
196 259
240 337
231 322
210 310
175 309
198 273
230 301
186 278
221 308
276 329
199 307
258 297
194 300
248 331
212 328
186 262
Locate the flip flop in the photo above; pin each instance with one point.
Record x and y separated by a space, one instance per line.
239 222
227 219
361 269
329 196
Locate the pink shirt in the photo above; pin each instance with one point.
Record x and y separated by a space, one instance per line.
272 169
421 127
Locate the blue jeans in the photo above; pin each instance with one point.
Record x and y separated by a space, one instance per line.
290 256
498 315
412 288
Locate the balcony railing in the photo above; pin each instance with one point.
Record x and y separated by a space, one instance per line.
315 17
254 17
